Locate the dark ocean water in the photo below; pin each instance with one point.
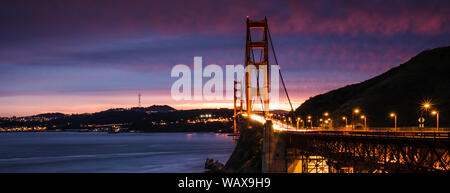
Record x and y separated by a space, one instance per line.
103 152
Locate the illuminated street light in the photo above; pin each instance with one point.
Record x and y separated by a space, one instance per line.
345 118
424 108
395 118
437 119
326 114
298 120
355 111
309 120
426 105
365 120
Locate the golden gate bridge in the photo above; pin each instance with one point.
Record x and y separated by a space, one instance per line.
289 147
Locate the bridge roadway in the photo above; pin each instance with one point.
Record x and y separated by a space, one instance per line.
279 126
288 149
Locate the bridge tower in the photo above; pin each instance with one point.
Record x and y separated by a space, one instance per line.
237 87
261 65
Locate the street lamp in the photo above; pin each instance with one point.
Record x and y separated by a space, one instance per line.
365 120
298 120
345 119
395 118
309 120
426 106
326 114
356 111
437 119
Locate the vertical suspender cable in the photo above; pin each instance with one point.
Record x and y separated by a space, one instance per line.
281 76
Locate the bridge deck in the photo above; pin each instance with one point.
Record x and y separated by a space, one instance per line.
279 126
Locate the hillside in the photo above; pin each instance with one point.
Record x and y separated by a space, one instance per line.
154 109
401 89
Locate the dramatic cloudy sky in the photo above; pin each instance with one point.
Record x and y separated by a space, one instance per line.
85 56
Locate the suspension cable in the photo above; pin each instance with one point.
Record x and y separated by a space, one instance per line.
279 69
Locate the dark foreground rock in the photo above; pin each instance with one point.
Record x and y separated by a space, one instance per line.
213 165
246 157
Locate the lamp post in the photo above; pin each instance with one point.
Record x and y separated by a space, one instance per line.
425 107
325 115
309 121
365 120
345 119
355 112
437 119
298 121
331 123
395 120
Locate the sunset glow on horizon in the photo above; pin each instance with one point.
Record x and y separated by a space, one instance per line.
80 57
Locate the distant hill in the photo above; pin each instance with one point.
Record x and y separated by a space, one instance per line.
149 119
150 109
50 115
154 109
401 89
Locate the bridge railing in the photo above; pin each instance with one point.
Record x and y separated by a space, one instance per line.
393 134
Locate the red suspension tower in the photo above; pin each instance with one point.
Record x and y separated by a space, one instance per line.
260 92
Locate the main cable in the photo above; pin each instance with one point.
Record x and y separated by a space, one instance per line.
279 69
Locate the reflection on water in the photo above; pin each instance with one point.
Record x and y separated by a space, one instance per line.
103 152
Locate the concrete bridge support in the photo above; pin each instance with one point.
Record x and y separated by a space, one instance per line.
274 154
280 157
277 157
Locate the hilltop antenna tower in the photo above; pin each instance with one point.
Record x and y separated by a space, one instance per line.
139 99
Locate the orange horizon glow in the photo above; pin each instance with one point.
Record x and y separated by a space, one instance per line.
91 104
